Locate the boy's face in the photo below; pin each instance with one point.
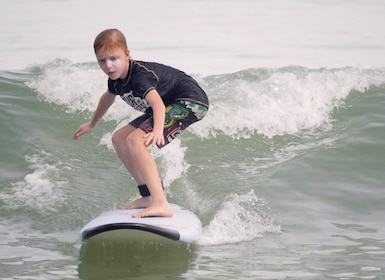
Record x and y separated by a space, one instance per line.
114 62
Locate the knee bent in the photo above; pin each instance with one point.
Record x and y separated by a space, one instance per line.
133 140
117 138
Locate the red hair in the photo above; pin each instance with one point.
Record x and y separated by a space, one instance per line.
110 39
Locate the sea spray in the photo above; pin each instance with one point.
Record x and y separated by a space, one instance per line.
240 218
41 189
275 102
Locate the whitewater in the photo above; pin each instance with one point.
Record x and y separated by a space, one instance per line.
285 172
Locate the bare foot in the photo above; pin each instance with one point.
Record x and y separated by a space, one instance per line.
142 202
155 210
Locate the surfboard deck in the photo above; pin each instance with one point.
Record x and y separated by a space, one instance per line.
183 226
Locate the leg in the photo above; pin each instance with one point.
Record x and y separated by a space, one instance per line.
119 141
148 171
178 116
129 144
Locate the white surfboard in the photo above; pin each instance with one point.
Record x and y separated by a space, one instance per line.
184 226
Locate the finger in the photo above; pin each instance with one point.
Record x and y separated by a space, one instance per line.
148 140
162 142
158 140
76 135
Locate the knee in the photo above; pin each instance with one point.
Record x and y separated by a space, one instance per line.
117 138
132 140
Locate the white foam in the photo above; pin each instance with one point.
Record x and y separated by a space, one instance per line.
172 161
279 101
40 189
171 157
267 102
78 87
239 219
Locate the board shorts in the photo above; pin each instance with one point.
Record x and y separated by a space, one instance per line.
179 115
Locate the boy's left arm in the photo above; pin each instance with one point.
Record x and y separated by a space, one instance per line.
159 111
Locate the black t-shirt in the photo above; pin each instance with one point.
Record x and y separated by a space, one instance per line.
171 84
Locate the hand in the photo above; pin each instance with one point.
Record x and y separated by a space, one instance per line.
154 138
84 128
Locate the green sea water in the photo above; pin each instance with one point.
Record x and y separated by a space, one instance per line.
286 172
291 173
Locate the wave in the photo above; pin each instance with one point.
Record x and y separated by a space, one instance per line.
265 101
258 120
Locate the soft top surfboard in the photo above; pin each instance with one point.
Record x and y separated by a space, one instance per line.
184 226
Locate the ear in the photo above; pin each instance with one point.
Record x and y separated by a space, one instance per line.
128 53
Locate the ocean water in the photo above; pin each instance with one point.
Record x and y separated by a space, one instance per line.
286 172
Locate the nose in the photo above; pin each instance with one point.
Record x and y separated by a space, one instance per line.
109 63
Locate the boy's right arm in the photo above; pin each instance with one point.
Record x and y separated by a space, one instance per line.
105 102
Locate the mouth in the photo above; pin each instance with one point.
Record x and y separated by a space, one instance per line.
112 74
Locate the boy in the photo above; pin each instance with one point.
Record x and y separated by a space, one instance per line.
170 101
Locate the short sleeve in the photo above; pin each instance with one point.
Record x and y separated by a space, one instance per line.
112 87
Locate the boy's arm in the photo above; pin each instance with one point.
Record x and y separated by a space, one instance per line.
105 102
159 111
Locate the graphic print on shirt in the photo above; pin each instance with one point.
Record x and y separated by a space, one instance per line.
135 102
